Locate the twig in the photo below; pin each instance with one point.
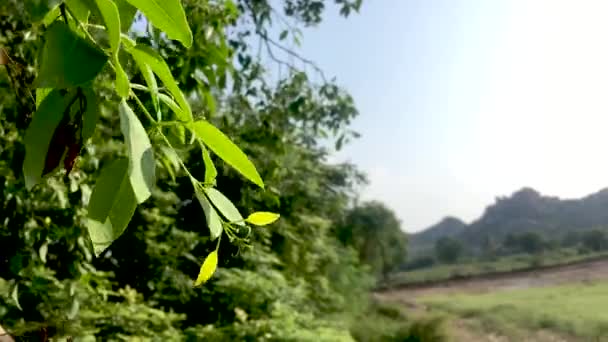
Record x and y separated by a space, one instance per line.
269 41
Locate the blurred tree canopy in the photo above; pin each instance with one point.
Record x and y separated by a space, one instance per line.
448 250
303 278
373 229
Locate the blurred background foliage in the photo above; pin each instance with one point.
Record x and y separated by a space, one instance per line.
305 278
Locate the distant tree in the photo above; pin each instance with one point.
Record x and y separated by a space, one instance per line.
528 242
448 250
595 240
419 262
571 239
511 242
374 231
531 242
488 247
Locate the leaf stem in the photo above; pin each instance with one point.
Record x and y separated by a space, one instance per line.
160 132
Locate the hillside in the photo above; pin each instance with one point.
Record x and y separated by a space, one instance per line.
524 210
449 226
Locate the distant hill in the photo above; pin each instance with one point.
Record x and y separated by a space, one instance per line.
525 210
449 226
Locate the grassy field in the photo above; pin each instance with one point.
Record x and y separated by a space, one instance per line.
574 310
504 264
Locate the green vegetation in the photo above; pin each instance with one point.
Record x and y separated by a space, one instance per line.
577 310
526 222
374 231
523 231
384 322
505 264
117 186
448 250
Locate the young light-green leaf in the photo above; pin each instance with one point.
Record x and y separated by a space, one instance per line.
167 15
213 219
225 206
39 134
122 80
170 160
148 74
262 218
168 101
145 55
111 18
210 170
111 206
67 59
51 16
142 173
41 93
15 296
207 269
224 148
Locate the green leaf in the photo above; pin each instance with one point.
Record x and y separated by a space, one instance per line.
141 157
15 294
40 8
43 251
224 148
67 59
168 101
170 160
39 134
225 206
111 18
80 10
51 16
283 35
41 93
122 80
210 102
74 308
262 218
213 219
148 74
91 116
167 15
111 206
207 269
127 13
210 170
145 55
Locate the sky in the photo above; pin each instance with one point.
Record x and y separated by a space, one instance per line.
462 101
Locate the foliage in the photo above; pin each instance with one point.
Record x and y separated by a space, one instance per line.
387 322
448 250
527 242
524 211
419 262
373 230
182 113
571 309
503 264
70 61
595 240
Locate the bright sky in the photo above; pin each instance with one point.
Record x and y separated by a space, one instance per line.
465 100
